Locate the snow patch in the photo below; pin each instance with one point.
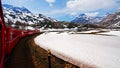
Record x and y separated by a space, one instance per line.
100 51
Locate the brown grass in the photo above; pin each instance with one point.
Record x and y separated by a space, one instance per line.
41 57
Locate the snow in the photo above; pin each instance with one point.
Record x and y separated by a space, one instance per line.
90 31
95 50
56 30
24 16
116 33
41 19
30 28
9 17
30 23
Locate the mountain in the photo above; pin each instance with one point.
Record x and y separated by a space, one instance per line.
109 21
15 9
22 16
84 19
112 20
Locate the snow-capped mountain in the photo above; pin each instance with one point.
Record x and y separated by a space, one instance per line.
23 15
84 19
15 9
112 20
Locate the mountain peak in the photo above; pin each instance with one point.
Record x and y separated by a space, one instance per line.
22 16
82 14
112 20
85 19
7 5
16 9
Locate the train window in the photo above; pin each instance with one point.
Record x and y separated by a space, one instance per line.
0 42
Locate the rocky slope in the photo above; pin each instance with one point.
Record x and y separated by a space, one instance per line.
112 20
22 16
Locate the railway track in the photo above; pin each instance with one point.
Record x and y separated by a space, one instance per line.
21 56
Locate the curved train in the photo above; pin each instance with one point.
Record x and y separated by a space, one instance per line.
9 37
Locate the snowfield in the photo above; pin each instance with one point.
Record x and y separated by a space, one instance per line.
116 33
99 51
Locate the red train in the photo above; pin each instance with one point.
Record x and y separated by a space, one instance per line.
9 37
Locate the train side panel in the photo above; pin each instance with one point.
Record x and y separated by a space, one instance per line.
13 36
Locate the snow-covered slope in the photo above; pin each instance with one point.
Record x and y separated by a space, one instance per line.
15 9
112 20
84 19
98 51
23 15
109 20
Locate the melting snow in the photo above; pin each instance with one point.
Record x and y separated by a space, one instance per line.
98 50
116 33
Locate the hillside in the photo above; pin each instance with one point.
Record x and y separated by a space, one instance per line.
21 16
112 20
85 19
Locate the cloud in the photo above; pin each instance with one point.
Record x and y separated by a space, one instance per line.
56 12
60 14
94 14
73 13
90 5
50 2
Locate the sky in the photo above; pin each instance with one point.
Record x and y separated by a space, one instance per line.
67 10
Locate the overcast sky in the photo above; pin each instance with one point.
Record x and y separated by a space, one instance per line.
67 10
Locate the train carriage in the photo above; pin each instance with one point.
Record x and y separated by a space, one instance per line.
9 37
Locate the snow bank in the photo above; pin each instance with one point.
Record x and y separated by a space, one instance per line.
91 31
96 50
30 28
116 33
56 30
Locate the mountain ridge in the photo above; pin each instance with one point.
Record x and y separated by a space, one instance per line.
84 19
109 21
17 9
13 14
112 20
